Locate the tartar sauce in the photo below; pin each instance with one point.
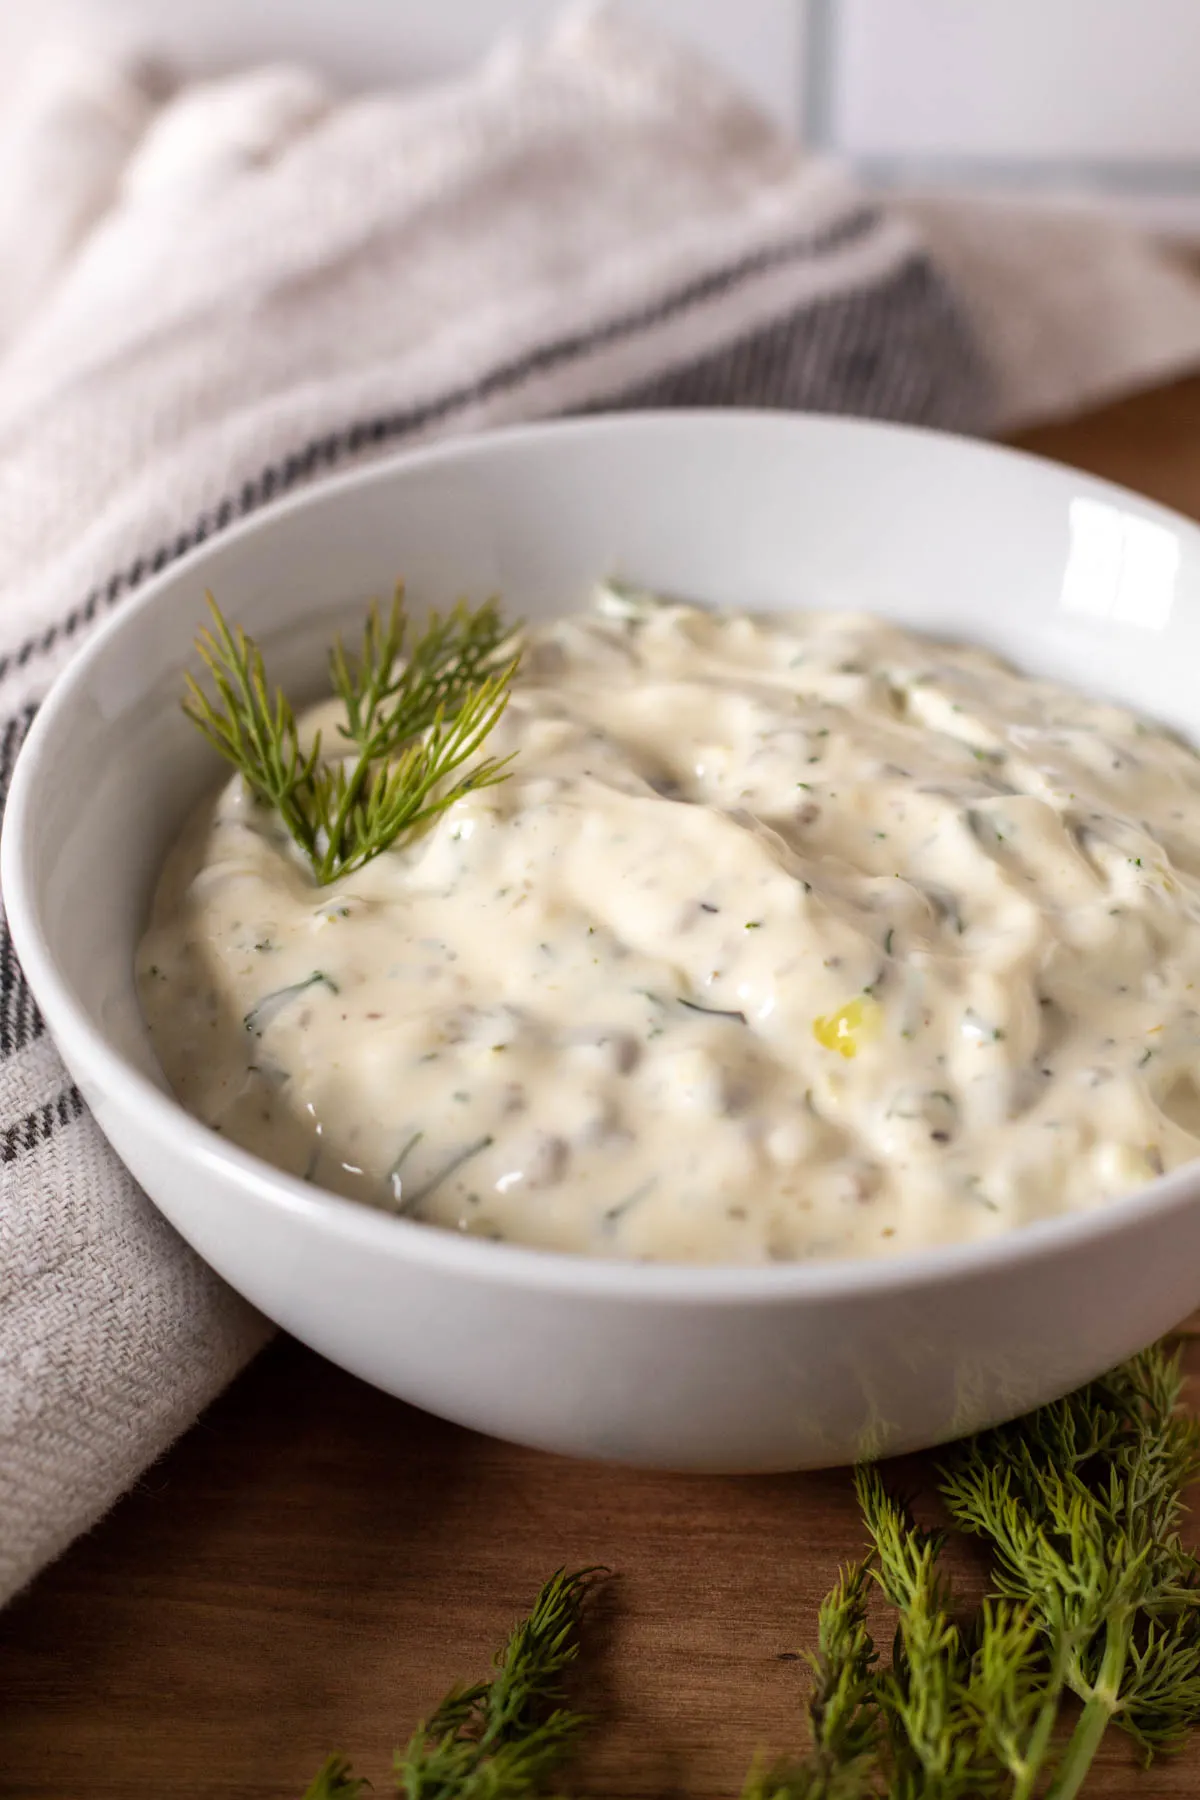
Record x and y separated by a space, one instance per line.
788 936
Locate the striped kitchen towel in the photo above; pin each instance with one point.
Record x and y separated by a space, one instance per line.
251 284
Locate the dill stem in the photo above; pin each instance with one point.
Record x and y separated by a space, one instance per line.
1096 1716
354 786
1026 1772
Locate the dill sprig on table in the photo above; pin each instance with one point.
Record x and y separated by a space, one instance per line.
1094 1596
843 1713
333 1781
419 706
967 1709
499 1739
1081 1505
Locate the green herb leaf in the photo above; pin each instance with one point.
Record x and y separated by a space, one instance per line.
394 690
364 806
414 716
333 1781
843 1711
1095 1595
1081 1504
501 1739
253 730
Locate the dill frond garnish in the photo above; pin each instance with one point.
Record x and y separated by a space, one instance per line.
419 707
1093 1595
1081 1505
503 1738
967 1710
500 1739
253 729
394 690
333 1781
843 1712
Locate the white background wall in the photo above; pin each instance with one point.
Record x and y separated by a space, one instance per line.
1025 79
368 41
1101 96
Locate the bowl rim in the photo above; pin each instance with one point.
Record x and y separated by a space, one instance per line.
161 1118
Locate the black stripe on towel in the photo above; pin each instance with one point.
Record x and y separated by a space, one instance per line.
20 1021
895 351
327 452
40 1125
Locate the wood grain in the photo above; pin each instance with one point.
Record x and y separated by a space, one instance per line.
315 1563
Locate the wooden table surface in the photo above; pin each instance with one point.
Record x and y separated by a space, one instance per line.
314 1564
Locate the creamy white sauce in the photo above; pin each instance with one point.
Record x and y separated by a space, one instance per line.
788 936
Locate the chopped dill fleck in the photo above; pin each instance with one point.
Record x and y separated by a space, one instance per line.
266 1009
614 1214
412 1201
713 1012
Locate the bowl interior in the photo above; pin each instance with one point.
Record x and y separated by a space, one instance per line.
1067 576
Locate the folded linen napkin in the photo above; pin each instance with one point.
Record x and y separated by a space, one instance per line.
255 282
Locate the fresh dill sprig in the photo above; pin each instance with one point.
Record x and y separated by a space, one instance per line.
1094 1595
499 1739
956 1713
1081 1505
843 1712
931 1738
252 729
362 807
333 1781
415 713
502 1738
968 1711
394 690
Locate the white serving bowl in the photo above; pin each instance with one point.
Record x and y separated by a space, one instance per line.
779 1367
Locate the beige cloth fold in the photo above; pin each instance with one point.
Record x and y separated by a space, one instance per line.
1072 306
